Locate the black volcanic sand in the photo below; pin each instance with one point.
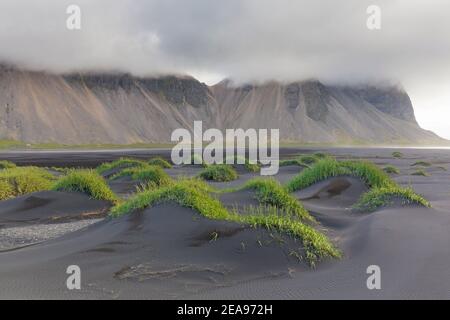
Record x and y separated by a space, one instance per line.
50 207
169 251
163 252
123 186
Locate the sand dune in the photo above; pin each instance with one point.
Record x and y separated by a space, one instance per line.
172 252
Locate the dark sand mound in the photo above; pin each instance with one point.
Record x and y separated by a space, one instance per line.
239 199
123 186
330 201
166 251
410 245
50 207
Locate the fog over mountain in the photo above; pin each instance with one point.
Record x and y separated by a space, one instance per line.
251 41
121 108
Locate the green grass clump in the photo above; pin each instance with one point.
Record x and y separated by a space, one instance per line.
420 173
157 161
119 163
5 164
147 174
323 169
189 193
421 163
219 172
369 173
22 180
320 155
269 192
86 181
391 170
290 162
380 197
328 168
397 154
308 159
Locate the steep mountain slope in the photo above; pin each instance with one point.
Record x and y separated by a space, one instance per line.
309 111
120 108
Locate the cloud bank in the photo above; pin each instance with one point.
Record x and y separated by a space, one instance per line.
245 40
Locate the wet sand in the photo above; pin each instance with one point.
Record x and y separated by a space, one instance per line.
172 252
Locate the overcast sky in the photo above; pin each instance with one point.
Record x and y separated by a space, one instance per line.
246 40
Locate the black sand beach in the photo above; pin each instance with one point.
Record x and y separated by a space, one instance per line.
172 252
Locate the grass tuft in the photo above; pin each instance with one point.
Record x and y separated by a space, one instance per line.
421 173
381 197
323 169
17 181
270 192
219 172
391 170
5 164
146 174
160 162
397 154
86 181
119 163
421 164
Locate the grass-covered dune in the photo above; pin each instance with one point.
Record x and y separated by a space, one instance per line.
16 181
145 173
383 190
160 162
219 173
195 194
86 181
120 163
269 192
303 160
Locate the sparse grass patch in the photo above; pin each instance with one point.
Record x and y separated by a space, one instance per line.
380 197
421 164
442 168
420 173
219 172
391 170
86 181
17 181
397 154
5 164
189 193
157 161
119 163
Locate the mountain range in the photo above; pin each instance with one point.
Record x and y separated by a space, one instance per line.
120 108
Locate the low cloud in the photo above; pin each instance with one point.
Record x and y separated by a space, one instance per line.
246 40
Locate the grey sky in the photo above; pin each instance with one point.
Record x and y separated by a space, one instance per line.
245 40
